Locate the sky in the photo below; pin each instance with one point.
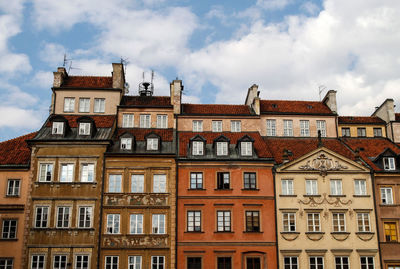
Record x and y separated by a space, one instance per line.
219 48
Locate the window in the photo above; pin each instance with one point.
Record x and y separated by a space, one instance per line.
360 187
223 181
271 127
193 262
162 121
321 126
113 223
339 224
197 126
222 148
386 196
157 262
135 262
126 143
361 132
250 182
289 222
152 143
304 128
311 187
377 132
252 221
127 120
290 263
342 263
8 263
158 224
145 121
367 262
159 183
99 105
69 104
115 183
84 104
236 126
111 262
194 221
13 187
363 222
287 128
37 262
317 262
85 217
84 128
217 125
397 266
313 222
63 216
224 263
198 148
81 262
388 163
58 128
41 216
9 230
196 180
390 231
246 149
336 187
137 183
287 187
253 263
346 132
87 173
67 172
136 224
60 262
223 221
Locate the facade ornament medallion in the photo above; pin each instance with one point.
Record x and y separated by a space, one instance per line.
323 164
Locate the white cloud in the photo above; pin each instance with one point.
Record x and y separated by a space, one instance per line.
19 118
273 4
310 8
43 79
53 54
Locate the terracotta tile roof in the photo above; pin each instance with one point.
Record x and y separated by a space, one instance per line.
150 101
360 120
260 147
397 116
140 133
294 107
105 121
87 82
16 151
200 109
371 148
301 146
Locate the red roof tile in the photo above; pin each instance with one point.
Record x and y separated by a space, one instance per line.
106 121
260 147
140 133
301 146
16 151
87 82
150 101
200 109
294 107
360 120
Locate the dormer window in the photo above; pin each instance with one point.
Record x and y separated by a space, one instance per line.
84 128
152 143
198 148
58 128
246 148
126 143
222 148
388 163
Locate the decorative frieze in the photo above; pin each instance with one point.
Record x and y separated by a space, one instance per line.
323 164
145 199
135 241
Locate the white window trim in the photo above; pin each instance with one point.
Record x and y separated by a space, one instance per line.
87 164
384 192
162 121
246 148
114 177
216 126
236 126
57 128
38 254
363 219
287 127
69 216
47 218
285 189
315 257
197 125
126 143
152 143
70 107
134 264
164 261
304 128
76 259
14 192
68 165
222 148
114 226
84 109
158 225
314 219
134 229
283 221
339 227
198 148
145 121
54 260
160 183
271 127
111 256
45 164
85 128
360 190
99 105
338 188
91 216
312 191
389 163
141 177
321 126
128 120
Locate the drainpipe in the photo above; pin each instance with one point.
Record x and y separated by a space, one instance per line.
276 218
101 211
176 192
376 217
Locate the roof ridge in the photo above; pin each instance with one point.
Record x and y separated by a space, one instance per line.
291 101
88 76
214 104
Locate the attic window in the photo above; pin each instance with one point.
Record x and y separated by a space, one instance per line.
84 128
152 143
222 148
126 143
58 127
198 148
246 148
388 163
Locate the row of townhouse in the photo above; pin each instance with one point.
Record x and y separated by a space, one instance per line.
141 181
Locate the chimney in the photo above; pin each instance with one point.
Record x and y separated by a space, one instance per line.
330 100
176 88
253 99
118 76
59 77
386 111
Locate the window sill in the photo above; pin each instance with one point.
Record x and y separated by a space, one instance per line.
339 233
223 189
388 205
65 183
62 229
339 195
196 189
315 232
224 232
194 232
312 195
287 195
13 196
250 189
253 232
361 195
365 233
8 239
290 232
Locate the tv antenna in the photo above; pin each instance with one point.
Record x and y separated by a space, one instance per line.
321 88
68 62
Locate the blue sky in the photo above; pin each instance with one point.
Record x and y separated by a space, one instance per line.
218 48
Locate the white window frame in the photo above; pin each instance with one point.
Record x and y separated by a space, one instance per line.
69 104
145 121
311 187
41 258
8 263
13 187
377 132
287 187
363 218
88 211
87 172
158 265
162 121
291 219
246 148
287 127
196 180
193 220
152 143
389 163
159 183
99 105
82 261
137 183
197 148
315 220
336 187
158 224
126 143
360 187
317 265
110 264
236 126
44 216
386 195
291 264
9 231
224 221
366 264
84 105
63 214
338 220
343 264
67 172
114 183
44 170
222 148
84 128
128 120
61 262
136 224
304 128
113 224
346 132
135 262
271 127
217 126
197 125
321 126
361 132
57 128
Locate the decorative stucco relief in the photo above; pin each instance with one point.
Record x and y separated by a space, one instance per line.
135 241
323 164
136 199
325 199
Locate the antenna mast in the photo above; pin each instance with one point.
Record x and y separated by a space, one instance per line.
321 88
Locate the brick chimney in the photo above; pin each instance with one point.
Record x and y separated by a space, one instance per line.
176 89
59 77
386 111
330 100
118 76
253 99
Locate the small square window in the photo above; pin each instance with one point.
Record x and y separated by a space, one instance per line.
8 263
37 262
126 143
67 172
99 105
389 163
246 148
291 263
346 132
236 126
84 105
162 121
217 125
145 121
46 172
224 263
360 187
58 128
386 196
197 148
316 262
361 132
81 262
13 187
222 148
197 126
223 181
112 262
196 180
84 128
69 104
194 263
377 132
152 143
127 120
87 172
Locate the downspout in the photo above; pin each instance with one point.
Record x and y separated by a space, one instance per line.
391 129
376 217
276 219
337 126
176 192
101 212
